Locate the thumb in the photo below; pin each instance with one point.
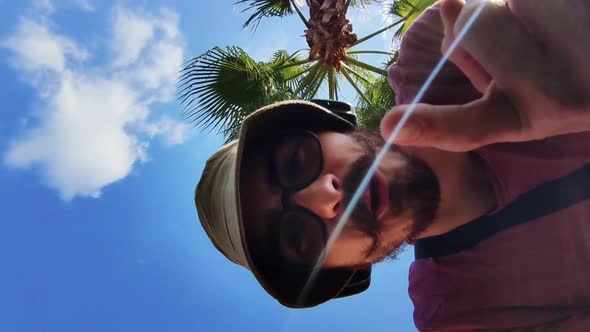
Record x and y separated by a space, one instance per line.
488 120
449 12
479 77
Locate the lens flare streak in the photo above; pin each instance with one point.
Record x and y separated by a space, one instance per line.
365 182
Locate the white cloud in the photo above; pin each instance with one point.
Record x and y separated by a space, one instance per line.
43 6
277 39
85 5
370 19
96 123
47 7
38 49
158 69
173 131
131 34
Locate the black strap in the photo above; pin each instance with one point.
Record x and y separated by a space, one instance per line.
340 108
545 199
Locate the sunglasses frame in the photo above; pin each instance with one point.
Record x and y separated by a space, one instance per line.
287 191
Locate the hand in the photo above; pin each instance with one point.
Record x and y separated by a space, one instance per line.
531 61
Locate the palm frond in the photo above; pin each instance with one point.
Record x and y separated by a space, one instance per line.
310 84
219 88
409 10
289 67
382 99
265 8
359 73
281 57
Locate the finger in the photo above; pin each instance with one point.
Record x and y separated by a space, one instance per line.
466 127
450 11
514 57
561 24
474 71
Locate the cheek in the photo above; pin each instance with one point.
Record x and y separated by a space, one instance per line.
339 151
392 164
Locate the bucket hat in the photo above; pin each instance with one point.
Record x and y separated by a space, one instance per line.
217 198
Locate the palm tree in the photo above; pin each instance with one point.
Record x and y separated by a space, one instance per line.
409 10
382 98
219 88
222 86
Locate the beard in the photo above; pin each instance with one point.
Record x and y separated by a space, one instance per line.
413 192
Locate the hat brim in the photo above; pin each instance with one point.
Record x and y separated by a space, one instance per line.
287 282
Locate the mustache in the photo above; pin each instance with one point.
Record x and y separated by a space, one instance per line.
361 214
414 191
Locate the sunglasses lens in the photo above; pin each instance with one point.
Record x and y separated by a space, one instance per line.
298 160
302 236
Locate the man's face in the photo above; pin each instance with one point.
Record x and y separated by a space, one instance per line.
399 203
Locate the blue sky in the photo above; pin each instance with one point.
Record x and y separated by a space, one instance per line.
97 173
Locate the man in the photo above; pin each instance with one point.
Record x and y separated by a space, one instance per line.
270 201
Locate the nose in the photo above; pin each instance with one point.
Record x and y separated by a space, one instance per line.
322 197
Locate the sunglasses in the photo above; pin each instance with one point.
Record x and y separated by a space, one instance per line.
296 162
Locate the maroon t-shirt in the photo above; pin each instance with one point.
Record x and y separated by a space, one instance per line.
530 277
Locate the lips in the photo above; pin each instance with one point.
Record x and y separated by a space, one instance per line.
376 195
